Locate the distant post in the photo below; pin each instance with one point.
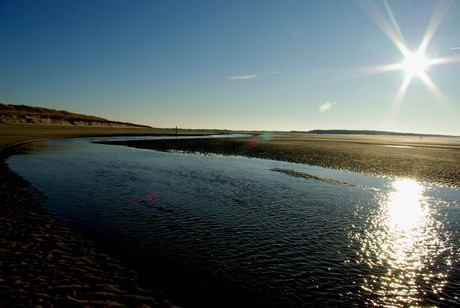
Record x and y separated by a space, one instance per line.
176 131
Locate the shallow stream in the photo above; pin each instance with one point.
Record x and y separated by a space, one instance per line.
223 231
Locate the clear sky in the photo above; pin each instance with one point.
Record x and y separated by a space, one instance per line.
253 65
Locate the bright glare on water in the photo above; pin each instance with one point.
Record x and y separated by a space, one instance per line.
405 204
229 231
407 247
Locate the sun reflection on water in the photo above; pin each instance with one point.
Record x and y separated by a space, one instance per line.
403 248
404 204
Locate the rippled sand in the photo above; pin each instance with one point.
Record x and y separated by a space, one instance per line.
42 263
430 159
45 264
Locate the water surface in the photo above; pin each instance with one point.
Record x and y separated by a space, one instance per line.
222 231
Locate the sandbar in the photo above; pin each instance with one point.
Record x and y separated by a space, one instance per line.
433 160
43 263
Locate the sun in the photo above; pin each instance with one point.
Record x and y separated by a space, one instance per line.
415 65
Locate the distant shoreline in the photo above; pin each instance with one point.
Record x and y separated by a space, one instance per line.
369 133
394 156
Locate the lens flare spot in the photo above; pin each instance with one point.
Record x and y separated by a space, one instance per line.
260 139
153 195
253 143
136 200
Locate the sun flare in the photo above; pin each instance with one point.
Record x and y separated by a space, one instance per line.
415 65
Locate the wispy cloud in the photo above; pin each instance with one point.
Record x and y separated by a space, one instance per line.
455 48
326 106
242 77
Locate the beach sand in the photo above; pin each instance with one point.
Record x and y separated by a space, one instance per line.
430 159
11 134
43 263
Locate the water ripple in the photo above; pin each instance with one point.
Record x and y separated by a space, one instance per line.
227 231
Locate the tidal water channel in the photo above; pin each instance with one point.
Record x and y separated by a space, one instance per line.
225 231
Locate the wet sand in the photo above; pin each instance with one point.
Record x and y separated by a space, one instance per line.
44 264
11 134
430 159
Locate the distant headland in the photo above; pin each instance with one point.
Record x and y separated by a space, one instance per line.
22 114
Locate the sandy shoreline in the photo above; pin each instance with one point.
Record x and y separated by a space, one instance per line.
431 159
44 263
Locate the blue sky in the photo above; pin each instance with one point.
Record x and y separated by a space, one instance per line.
255 65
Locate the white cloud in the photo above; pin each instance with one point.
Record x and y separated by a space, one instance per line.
326 106
242 77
